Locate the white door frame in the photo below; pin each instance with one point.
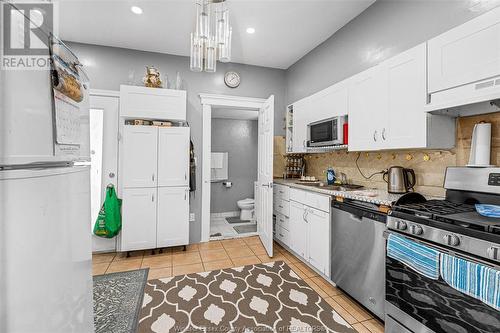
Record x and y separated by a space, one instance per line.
208 101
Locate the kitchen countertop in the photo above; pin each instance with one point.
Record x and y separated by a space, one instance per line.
382 197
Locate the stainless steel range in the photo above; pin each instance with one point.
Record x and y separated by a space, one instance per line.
415 303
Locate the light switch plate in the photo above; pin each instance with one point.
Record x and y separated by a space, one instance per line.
192 217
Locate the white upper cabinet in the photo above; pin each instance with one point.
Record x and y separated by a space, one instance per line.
367 109
138 161
330 102
300 120
152 103
463 61
173 156
405 119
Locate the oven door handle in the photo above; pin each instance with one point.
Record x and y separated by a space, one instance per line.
445 250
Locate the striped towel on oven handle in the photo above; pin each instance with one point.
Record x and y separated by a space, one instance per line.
422 259
476 280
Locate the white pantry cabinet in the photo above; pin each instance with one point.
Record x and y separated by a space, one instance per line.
138 219
173 156
152 103
138 156
154 176
173 216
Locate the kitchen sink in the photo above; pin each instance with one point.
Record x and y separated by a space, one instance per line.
344 187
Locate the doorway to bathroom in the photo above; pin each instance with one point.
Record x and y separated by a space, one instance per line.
237 207
233 167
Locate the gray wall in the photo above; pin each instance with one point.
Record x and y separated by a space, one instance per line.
109 67
239 138
386 28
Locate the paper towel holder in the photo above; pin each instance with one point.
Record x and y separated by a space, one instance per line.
480 152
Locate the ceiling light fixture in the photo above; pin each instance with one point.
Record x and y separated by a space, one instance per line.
250 30
136 10
211 40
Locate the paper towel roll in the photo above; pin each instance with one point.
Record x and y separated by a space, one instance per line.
480 146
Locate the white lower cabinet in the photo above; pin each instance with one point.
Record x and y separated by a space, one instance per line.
309 234
139 219
298 229
173 216
318 239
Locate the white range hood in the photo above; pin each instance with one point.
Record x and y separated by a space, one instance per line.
463 68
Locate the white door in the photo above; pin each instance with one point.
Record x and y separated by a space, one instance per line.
367 108
265 175
138 219
298 229
104 158
318 239
406 122
138 156
173 216
173 156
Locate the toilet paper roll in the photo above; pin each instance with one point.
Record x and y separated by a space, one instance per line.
480 146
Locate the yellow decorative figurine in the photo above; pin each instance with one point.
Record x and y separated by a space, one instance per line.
152 78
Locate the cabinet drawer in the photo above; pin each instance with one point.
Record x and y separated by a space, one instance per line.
283 221
282 207
314 200
282 191
283 235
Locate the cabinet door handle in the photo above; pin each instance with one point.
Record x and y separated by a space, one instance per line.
375 136
185 176
383 134
153 177
152 197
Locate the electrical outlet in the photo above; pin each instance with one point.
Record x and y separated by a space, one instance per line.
192 217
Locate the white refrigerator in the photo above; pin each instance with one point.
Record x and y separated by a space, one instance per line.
45 244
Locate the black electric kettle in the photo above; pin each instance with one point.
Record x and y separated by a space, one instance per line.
399 180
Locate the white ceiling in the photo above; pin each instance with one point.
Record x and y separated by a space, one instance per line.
285 30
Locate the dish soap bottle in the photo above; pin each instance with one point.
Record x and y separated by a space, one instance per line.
330 176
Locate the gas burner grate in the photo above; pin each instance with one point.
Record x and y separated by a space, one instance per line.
435 207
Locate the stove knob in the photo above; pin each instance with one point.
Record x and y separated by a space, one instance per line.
416 230
401 225
451 240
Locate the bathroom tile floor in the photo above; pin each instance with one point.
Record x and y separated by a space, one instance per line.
226 230
233 253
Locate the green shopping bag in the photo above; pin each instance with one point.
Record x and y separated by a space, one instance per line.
109 220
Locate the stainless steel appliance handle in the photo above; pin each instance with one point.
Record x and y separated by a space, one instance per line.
445 250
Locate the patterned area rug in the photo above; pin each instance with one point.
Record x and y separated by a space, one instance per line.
256 298
117 301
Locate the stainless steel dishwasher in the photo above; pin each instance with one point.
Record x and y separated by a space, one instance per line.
358 253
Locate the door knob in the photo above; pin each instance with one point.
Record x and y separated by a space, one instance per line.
111 175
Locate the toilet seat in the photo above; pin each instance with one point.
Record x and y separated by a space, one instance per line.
246 201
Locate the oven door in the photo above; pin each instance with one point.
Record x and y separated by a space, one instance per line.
423 305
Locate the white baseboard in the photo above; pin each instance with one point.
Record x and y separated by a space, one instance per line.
225 214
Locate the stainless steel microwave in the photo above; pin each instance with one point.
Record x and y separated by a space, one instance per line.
326 132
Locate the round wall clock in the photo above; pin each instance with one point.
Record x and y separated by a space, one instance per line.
232 79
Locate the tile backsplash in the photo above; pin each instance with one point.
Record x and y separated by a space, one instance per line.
429 165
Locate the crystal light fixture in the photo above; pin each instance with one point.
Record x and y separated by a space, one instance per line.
211 40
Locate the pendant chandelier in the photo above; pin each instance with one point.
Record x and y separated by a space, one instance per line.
211 40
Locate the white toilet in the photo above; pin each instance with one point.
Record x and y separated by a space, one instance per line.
247 208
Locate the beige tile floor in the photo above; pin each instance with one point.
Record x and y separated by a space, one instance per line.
233 253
